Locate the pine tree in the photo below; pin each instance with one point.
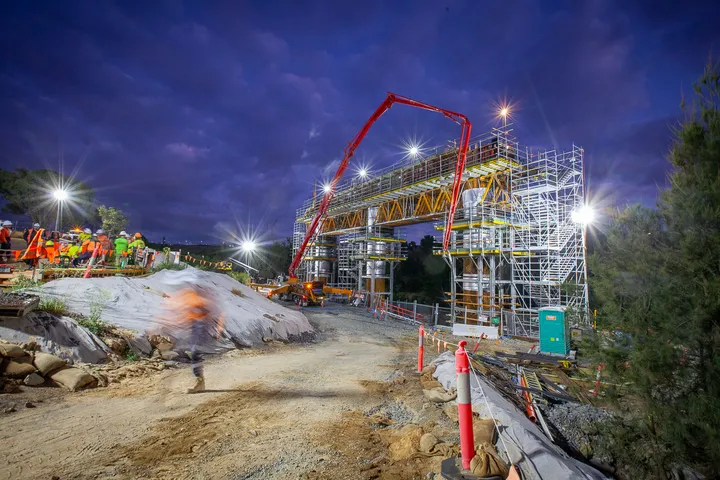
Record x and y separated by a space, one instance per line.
656 278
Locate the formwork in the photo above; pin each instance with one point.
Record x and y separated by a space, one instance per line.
514 247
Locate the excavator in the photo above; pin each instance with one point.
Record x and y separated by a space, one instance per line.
314 292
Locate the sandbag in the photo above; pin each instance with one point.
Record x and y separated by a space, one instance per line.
487 463
452 412
439 395
15 369
72 378
428 370
11 350
427 442
47 363
484 431
428 383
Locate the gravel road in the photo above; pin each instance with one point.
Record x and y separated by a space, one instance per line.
259 419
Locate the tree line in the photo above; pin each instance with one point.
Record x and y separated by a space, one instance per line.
30 193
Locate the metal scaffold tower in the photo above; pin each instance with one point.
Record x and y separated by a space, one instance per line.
513 246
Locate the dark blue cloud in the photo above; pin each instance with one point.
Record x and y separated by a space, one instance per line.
193 114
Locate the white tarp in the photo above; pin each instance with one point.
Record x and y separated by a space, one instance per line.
61 336
137 304
529 449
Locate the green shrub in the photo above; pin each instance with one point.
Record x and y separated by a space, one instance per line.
21 283
95 327
168 266
130 355
55 306
241 277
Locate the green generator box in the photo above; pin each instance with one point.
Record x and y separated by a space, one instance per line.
554 331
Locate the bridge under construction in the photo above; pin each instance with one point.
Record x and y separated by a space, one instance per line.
515 244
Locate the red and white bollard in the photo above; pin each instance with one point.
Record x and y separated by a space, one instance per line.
421 347
467 440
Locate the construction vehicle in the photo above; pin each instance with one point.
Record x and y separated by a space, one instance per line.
305 294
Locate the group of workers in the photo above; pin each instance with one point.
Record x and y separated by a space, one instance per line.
72 248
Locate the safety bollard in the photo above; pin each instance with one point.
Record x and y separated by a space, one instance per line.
439 345
477 344
467 440
421 348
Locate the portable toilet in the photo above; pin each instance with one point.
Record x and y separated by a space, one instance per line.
554 331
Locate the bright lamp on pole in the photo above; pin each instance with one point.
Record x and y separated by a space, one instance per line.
60 195
248 246
583 215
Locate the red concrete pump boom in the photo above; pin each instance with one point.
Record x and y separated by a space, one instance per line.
391 99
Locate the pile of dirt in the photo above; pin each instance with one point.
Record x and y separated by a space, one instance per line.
141 304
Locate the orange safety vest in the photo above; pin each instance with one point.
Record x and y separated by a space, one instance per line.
4 235
35 247
88 246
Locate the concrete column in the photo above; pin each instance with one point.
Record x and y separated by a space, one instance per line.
392 281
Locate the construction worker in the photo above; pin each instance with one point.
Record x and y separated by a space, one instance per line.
5 242
105 242
85 235
73 250
86 250
193 307
121 249
135 247
49 251
30 232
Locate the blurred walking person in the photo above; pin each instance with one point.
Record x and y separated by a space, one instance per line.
202 325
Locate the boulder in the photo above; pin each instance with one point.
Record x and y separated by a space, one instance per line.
47 363
169 355
72 378
33 380
11 350
139 344
116 344
439 395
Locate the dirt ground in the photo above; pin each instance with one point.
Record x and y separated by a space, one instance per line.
328 409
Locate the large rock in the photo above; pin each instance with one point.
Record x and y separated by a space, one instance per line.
33 380
47 363
117 344
139 344
72 378
11 350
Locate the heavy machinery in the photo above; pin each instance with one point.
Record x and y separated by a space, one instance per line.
305 294
315 227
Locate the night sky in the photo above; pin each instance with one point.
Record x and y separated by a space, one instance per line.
195 115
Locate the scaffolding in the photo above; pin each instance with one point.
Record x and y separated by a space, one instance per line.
514 247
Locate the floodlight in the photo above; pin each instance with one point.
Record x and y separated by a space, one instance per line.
362 173
414 150
584 215
60 195
327 187
248 246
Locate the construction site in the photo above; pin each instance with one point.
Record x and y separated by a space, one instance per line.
512 225
516 241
